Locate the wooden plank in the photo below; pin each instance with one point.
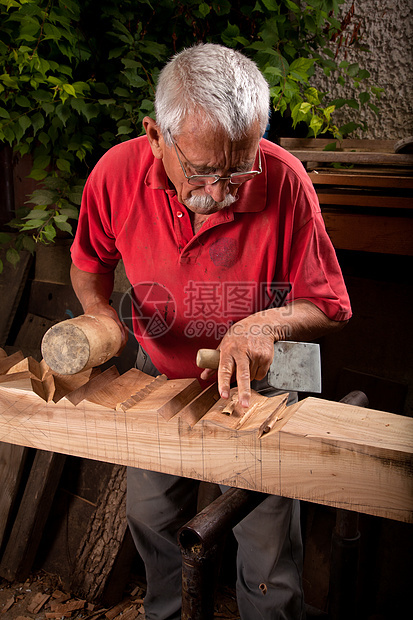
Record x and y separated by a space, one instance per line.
31 333
384 146
363 199
32 515
354 157
12 462
353 179
360 232
12 282
329 453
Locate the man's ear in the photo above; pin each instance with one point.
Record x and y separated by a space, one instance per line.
154 136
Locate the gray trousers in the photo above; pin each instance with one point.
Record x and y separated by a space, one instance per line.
269 544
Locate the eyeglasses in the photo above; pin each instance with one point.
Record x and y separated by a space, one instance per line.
200 180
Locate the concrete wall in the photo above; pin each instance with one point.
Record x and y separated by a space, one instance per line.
387 28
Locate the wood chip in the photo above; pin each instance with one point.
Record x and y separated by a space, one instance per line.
59 594
59 603
75 605
64 610
37 602
9 603
112 613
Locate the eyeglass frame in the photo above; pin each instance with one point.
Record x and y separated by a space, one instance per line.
218 178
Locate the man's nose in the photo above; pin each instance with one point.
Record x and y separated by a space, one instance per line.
218 191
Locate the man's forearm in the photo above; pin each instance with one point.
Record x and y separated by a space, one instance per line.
301 320
92 289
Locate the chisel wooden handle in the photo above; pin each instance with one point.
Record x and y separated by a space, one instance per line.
81 343
208 358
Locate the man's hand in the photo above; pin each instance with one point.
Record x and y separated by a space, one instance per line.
246 351
93 291
106 309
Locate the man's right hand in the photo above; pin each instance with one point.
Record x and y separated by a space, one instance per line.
108 310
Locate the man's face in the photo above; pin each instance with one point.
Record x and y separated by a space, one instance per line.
207 150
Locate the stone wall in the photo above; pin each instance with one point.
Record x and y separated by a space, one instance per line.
387 29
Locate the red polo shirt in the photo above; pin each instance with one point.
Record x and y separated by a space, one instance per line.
268 248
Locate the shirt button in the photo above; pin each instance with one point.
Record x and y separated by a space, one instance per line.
179 214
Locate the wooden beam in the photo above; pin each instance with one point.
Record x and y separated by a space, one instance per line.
318 451
362 232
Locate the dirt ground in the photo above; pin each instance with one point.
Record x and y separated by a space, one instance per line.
42 597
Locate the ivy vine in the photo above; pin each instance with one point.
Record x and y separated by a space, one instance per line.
78 76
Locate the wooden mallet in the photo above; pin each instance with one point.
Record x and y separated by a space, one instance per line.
81 343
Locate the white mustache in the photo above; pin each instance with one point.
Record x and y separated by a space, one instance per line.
207 202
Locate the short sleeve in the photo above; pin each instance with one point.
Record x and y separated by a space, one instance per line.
94 248
314 272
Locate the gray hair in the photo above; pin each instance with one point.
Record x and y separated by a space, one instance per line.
225 86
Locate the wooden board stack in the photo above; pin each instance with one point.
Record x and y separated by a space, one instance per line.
315 450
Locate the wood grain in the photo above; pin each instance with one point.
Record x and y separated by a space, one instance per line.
329 453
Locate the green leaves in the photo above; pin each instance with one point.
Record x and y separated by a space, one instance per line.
77 77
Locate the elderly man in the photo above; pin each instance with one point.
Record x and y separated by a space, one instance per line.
224 245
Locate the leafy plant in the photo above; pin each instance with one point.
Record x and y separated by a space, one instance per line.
76 77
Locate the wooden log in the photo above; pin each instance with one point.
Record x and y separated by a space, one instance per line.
103 541
324 452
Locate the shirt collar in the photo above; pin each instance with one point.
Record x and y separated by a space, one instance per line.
252 195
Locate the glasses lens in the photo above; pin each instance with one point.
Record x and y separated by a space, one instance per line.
201 181
237 179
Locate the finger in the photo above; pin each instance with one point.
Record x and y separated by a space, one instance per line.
244 382
225 371
125 336
207 374
261 372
